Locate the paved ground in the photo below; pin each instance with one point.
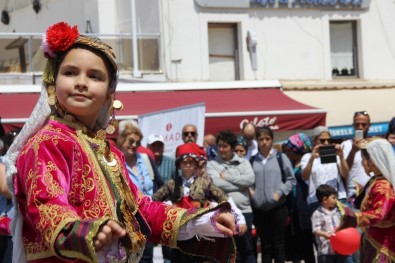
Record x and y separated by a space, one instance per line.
159 259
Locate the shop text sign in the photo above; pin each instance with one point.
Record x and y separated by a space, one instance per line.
261 121
320 4
308 3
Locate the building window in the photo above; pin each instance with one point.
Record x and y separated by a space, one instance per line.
344 49
223 52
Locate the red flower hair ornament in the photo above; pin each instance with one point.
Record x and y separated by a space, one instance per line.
59 37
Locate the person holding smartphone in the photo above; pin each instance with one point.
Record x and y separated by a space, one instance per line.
316 171
357 176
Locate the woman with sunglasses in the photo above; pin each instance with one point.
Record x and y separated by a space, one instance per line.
142 171
316 172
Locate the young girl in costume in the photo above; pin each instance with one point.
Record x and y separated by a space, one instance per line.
376 203
194 188
74 200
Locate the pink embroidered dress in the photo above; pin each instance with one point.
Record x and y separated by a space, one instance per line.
66 189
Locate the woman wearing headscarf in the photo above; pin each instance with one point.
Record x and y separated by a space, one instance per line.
298 234
241 147
376 203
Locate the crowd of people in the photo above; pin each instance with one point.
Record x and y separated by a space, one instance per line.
74 195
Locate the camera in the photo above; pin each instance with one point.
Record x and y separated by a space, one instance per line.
327 154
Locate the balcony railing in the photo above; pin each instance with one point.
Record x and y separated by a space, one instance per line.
22 57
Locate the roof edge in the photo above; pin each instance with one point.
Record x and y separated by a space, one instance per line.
163 86
336 84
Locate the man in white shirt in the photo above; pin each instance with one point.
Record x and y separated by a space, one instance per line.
248 133
352 153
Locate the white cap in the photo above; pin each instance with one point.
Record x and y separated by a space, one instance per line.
155 138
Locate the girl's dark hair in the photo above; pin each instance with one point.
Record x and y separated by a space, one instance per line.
324 190
228 137
264 129
111 71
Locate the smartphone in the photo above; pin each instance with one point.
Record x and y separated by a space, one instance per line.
358 134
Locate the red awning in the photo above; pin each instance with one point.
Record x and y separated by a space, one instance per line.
225 108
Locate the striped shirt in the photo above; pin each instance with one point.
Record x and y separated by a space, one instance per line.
167 168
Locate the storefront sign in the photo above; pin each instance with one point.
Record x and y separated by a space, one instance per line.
309 3
347 132
277 122
319 4
260 122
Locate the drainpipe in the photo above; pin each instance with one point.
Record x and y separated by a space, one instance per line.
136 72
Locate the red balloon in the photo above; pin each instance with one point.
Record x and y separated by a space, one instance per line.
346 241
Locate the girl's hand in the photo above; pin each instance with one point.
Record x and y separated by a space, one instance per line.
107 233
225 223
242 229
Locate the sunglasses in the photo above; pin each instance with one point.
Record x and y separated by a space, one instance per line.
322 141
133 142
192 133
364 113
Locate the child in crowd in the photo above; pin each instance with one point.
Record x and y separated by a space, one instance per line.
194 188
325 221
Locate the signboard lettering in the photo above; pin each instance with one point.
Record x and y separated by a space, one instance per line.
319 4
265 121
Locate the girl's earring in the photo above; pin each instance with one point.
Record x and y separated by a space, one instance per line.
51 95
113 124
117 105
